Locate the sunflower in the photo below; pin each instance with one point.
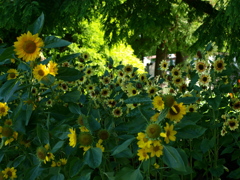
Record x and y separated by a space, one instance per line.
8 122
90 87
66 64
152 90
9 173
164 65
219 65
143 154
72 137
117 112
34 91
142 77
80 66
89 72
132 91
176 71
12 74
156 149
106 80
204 79
85 56
158 103
153 130
223 131
28 46
128 69
120 74
232 124
169 134
111 103
176 112
105 92
82 80
40 71
85 139
236 105
191 108
52 66
49 157
3 109
201 66
177 81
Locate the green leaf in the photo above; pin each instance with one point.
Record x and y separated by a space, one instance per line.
48 80
76 166
129 173
207 144
187 100
68 57
58 176
235 174
190 132
33 173
162 115
7 53
110 175
227 150
61 132
138 99
42 134
214 102
57 146
69 74
226 88
122 147
217 171
18 160
172 158
8 89
74 108
93 157
54 42
36 27
72 96
28 113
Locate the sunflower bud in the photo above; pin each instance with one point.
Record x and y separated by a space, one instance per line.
103 134
153 130
168 100
7 131
85 139
41 153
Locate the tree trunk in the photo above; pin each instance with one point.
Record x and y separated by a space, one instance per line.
179 57
161 54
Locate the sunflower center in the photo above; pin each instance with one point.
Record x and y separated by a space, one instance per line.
12 75
128 69
2 110
220 65
117 112
191 109
168 133
41 72
134 91
152 91
232 124
237 105
29 47
9 173
177 110
176 73
204 79
156 148
178 80
200 66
